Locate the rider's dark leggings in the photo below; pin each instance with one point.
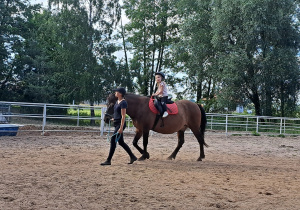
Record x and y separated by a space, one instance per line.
121 142
163 101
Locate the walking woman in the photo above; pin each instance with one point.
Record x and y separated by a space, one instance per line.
119 124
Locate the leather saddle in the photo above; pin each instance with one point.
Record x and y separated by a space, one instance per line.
156 107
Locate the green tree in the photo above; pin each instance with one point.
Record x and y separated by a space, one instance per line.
38 83
257 44
58 69
195 50
151 31
98 19
13 29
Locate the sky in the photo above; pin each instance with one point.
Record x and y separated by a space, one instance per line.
43 2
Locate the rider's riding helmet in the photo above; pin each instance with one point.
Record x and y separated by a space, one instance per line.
161 74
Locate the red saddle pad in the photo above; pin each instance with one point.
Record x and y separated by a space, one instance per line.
172 108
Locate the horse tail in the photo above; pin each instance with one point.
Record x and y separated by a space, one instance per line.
203 119
203 122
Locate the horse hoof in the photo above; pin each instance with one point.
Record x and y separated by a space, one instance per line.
199 159
142 158
170 158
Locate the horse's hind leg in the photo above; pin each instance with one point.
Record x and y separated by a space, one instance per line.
200 137
180 135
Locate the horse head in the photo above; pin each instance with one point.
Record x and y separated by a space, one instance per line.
111 100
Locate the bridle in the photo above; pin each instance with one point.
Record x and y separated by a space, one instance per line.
110 116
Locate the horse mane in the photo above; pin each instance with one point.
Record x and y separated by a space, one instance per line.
135 95
111 96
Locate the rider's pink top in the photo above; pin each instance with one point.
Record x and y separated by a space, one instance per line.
162 89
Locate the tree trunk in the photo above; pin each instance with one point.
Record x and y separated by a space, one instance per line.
255 100
282 101
199 90
268 103
130 88
152 81
146 76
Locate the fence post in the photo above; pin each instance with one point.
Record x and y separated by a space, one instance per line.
103 109
44 118
280 130
226 129
257 124
247 124
78 110
284 126
9 106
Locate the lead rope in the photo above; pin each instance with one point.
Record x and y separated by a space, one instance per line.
108 134
118 135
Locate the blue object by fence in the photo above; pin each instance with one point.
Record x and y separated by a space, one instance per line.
8 130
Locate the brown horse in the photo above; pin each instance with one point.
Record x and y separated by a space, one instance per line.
190 115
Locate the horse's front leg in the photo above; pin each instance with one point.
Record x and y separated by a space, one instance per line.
138 135
145 154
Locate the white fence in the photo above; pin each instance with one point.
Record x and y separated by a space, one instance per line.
48 119
46 115
241 124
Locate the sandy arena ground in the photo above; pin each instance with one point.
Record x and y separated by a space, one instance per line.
63 172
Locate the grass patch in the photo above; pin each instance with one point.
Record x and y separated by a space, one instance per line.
84 112
254 133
